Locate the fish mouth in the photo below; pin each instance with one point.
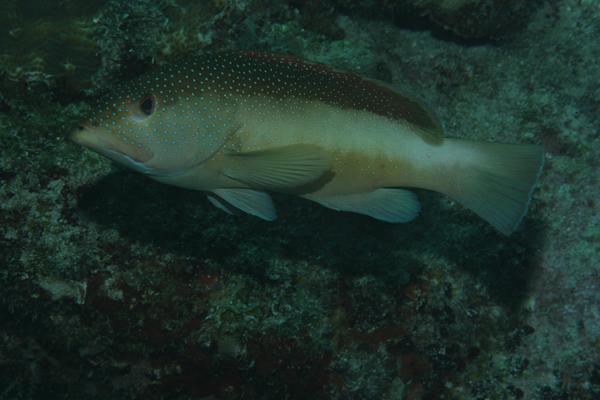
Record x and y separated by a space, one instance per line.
110 145
131 154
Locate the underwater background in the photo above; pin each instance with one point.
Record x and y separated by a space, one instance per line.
113 286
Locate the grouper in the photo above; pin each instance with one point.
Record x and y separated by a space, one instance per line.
240 125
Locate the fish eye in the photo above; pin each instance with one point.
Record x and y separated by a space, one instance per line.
147 105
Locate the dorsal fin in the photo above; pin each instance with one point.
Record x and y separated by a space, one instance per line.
316 81
411 109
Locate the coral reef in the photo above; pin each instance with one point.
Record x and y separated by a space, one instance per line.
116 287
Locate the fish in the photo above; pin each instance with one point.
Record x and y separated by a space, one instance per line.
242 125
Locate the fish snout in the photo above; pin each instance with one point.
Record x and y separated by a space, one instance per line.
104 142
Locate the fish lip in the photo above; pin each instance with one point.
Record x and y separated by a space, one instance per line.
103 142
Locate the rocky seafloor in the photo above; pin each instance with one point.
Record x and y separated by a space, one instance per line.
113 286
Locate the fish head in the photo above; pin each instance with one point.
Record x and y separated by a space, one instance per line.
160 124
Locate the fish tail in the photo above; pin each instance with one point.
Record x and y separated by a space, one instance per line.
495 180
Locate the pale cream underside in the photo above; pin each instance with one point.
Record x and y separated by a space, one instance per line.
368 151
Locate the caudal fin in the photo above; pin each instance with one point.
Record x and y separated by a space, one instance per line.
496 181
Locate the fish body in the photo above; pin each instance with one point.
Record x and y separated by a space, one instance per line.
240 125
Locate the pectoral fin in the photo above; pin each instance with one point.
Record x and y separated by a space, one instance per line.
278 168
249 201
386 204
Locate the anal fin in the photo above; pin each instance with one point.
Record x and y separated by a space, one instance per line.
386 204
